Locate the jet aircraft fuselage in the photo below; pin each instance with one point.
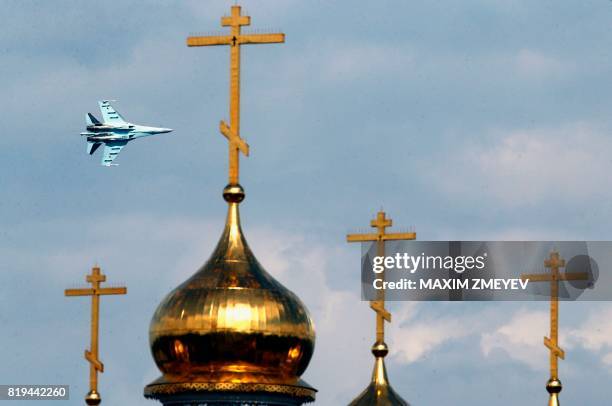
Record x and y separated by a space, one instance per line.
114 132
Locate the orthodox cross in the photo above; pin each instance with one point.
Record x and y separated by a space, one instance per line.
92 355
380 223
554 262
235 39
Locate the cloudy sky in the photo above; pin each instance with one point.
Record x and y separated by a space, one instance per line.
471 119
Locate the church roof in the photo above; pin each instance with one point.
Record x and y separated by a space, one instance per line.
379 392
231 327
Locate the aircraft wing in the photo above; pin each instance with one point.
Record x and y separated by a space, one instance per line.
111 150
109 114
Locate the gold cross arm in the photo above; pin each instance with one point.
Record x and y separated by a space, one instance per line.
242 39
276 38
92 292
236 19
554 348
197 41
381 221
562 276
573 276
379 307
554 261
93 360
376 237
234 138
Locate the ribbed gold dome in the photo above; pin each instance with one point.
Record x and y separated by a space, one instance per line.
379 392
231 326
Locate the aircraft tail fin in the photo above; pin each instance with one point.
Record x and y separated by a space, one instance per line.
91 119
109 114
92 146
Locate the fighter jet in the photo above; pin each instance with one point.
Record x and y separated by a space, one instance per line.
114 132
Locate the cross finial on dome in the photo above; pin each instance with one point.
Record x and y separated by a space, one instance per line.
554 263
234 40
91 355
379 391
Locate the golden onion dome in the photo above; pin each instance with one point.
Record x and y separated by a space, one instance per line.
379 392
231 327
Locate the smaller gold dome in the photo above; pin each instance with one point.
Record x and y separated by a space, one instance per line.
231 326
379 392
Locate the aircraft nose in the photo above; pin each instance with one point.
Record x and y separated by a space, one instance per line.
165 130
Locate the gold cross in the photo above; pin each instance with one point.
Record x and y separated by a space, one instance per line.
554 262
235 40
92 355
380 223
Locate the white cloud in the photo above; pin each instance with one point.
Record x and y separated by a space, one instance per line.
350 62
341 62
413 337
510 233
519 335
519 338
536 64
595 333
607 359
527 167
